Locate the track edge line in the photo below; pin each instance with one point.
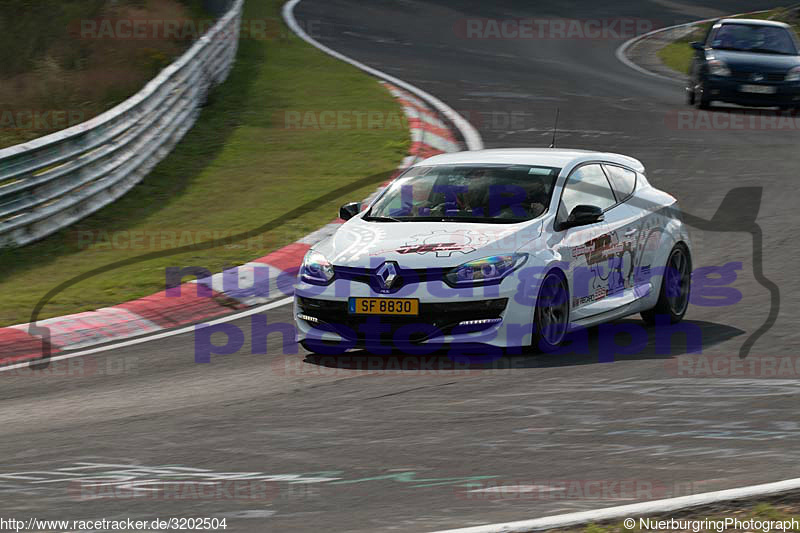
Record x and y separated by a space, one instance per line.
634 509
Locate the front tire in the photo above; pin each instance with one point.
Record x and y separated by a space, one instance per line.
551 315
700 98
673 299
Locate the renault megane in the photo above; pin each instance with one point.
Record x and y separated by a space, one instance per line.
511 247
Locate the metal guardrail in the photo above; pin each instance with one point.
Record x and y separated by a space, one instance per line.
51 182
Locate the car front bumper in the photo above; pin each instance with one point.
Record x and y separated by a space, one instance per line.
495 315
730 90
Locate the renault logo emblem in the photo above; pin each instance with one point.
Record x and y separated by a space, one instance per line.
387 274
757 77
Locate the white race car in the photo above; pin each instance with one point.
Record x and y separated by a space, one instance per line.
501 248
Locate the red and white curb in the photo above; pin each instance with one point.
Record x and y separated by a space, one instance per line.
427 130
633 510
262 280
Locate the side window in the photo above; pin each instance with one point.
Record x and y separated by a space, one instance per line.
707 39
622 180
588 186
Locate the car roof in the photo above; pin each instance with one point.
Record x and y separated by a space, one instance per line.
548 157
759 22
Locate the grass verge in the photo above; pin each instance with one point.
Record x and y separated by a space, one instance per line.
678 54
237 169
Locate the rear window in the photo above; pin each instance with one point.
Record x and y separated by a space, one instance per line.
623 180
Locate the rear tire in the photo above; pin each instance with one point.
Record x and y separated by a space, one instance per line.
676 284
551 314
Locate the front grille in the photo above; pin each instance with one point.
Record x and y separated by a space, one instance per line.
434 319
745 76
405 276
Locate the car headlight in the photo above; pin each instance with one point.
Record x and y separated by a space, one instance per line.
485 270
316 269
718 68
793 74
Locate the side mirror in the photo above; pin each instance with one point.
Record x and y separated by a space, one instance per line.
697 45
348 211
582 215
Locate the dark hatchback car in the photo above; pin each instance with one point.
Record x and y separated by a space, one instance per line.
746 62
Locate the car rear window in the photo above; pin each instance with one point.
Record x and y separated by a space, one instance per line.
623 181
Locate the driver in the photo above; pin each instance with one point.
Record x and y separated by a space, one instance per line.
475 201
537 199
534 204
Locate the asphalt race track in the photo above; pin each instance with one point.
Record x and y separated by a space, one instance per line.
393 450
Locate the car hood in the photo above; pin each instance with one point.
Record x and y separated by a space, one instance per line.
423 244
749 62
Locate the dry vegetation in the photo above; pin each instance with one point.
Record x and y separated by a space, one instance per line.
45 65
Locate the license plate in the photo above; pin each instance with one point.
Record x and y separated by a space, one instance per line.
760 89
384 306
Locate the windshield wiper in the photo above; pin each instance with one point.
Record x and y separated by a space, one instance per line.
371 218
477 220
484 220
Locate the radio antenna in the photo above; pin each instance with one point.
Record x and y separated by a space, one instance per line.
555 129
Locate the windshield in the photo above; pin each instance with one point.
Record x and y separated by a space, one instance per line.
754 38
467 193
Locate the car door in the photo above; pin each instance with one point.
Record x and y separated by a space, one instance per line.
640 235
588 247
631 233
